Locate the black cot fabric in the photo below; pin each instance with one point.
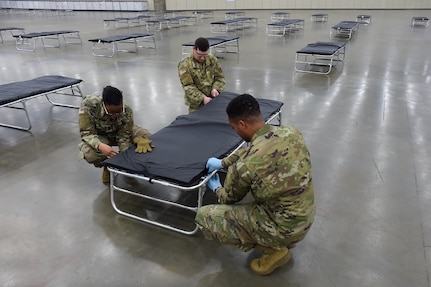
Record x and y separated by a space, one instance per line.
322 48
20 90
183 147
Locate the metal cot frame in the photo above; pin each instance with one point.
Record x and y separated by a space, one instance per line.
279 16
133 41
234 15
320 17
200 186
363 19
283 27
121 21
67 89
228 25
27 42
14 31
227 44
322 54
420 21
344 29
204 14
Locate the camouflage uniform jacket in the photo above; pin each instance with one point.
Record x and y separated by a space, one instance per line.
198 79
94 122
276 168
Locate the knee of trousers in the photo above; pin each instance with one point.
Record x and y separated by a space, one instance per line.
91 155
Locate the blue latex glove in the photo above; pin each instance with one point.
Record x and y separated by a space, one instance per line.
214 182
213 164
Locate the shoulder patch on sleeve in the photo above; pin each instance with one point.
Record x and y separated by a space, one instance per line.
81 110
182 71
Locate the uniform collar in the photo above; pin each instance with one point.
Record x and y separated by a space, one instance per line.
263 130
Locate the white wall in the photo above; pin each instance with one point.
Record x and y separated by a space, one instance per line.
295 4
77 5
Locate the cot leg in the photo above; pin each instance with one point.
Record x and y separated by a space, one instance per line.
75 91
22 128
22 43
115 189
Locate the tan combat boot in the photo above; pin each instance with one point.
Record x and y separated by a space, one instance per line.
270 260
105 176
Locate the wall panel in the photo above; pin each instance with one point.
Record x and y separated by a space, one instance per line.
220 4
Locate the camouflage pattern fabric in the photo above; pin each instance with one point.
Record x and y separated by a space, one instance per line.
198 79
276 169
96 127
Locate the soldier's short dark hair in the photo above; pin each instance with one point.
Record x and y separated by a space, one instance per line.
244 107
202 44
112 96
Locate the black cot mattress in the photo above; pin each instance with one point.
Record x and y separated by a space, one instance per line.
183 147
20 90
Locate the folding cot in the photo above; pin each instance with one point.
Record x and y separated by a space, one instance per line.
282 27
320 54
157 24
234 15
178 162
180 21
363 19
279 16
111 44
344 29
225 26
204 14
124 22
27 42
420 21
13 31
319 17
15 95
174 13
221 44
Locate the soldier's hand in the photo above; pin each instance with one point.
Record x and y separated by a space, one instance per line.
107 150
207 100
143 145
214 93
214 182
213 164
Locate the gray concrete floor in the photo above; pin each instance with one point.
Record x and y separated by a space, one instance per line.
366 125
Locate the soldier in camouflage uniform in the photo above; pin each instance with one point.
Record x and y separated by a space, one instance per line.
276 169
201 76
105 122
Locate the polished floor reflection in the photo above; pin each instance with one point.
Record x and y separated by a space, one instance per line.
366 125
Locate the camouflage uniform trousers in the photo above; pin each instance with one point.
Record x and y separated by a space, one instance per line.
94 156
238 225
